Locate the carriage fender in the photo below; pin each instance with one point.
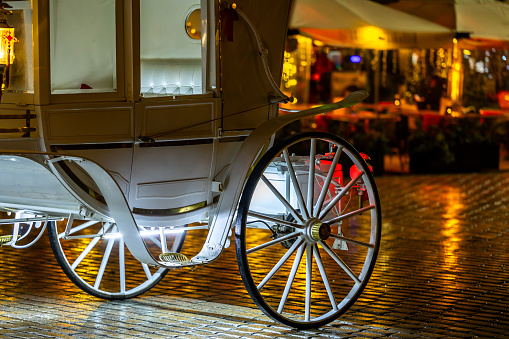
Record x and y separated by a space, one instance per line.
238 173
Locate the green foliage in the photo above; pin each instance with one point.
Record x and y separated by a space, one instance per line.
451 144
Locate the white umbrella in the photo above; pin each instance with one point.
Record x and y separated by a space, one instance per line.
481 19
351 14
365 24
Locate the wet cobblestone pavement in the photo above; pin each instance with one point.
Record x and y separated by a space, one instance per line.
441 273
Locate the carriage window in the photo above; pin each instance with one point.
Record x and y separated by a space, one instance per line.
16 48
83 46
170 56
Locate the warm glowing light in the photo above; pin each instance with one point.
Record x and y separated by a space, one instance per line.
117 235
455 77
455 40
452 227
193 24
375 36
318 43
506 97
467 52
397 102
7 41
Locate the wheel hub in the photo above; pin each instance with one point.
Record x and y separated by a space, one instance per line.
316 230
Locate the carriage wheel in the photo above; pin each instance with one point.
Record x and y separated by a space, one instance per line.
93 255
307 240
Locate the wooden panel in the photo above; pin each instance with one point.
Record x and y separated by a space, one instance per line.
177 120
89 124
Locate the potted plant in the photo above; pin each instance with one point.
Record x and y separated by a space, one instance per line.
466 144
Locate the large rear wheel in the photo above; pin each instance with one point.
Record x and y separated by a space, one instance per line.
308 229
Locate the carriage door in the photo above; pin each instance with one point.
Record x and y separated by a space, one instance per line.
174 114
81 96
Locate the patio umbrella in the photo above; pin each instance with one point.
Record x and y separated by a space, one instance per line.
477 19
365 24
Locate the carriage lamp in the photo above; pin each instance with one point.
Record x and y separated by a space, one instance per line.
7 40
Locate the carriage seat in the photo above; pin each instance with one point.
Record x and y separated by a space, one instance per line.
171 77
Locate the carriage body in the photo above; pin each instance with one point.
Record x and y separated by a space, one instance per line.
127 85
126 124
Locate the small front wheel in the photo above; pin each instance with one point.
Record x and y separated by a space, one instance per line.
93 256
308 229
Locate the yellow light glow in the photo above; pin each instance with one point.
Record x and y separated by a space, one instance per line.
455 40
7 41
467 52
506 97
397 102
318 43
373 36
455 78
451 229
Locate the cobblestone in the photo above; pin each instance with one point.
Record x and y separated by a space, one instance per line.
442 272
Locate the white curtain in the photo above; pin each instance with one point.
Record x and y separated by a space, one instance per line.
83 45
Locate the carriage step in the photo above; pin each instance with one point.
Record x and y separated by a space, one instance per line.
5 239
173 257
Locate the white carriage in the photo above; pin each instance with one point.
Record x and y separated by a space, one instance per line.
127 124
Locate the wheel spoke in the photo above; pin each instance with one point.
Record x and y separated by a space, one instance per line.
280 263
104 262
325 187
179 237
339 261
273 242
121 263
282 199
329 195
147 271
311 177
295 183
89 247
340 195
154 240
365 244
350 214
291 277
309 274
274 220
325 280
